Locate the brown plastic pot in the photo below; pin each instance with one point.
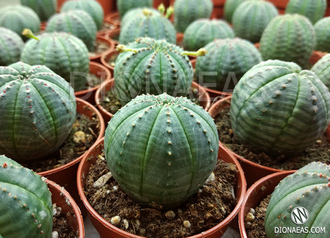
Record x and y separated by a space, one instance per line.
105 60
256 193
280 3
100 71
105 32
219 3
204 98
111 46
113 36
106 230
66 175
113 17
179 39
69 207
158 2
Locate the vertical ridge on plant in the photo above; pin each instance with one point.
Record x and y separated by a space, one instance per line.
201 32
314 10
230 7
322 33
277 107
149 25
226 61
93 8
125 5
187 11
44 8
137 12
308 188
17 18
251 18
39 109
289 38
161 149
322 69
65 54
77 22
26 206
11 46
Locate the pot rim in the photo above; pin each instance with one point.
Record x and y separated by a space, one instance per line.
103 39
77 160
240 181
104 59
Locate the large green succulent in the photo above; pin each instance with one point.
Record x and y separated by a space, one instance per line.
11 46
322 33
230 7
126 5
322 69
313 9
44 8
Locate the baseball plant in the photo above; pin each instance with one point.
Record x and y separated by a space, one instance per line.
314 10
322 33
137 12
322 69
126 5
11 45
44 8
230 7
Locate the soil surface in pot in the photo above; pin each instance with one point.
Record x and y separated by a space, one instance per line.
212 204
83 135
107 26
112 104
99 48
61 225
255 220
92 81
112 60
319 151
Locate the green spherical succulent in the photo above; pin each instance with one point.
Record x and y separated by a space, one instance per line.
77 22
44 8
225 63
277 107
149 25
322 69
313 9
38 110
26 205
154 67
187 11
301 201
161 149
11 46
251 18
17 18
288 38
126 5
63 53
137 12
230 7
92 7
322 33
201 32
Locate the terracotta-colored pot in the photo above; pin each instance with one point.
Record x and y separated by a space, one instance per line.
69 207
66 175
105 60
280 3
253 171
100 71
105 32
113 36
179 39
110 44
217 12
59 4
105 229
204 97
158 2
256 193
219 3
43 26
113 17
108 5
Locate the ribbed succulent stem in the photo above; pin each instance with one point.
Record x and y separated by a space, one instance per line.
44 8
322 69
313 9
11 46
230 7
126 5
322 33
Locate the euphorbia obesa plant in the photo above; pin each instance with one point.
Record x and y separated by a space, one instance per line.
11 46
152 66
44 8
126 5
277 107
38 109
301 201
161 149
25 202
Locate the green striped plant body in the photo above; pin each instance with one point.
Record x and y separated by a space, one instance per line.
92 7
44 8
26 206
203 31
187 11
289 38
278 107
78 23
11 46
309 189
161 149
251 18
314 10
63 53
126 5
322 33
137 12
322 69
230 7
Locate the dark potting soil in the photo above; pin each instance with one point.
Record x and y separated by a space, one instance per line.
99 48
319 151
112 104
255 220
83 135
212 204
61 225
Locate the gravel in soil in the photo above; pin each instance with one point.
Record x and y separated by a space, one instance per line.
255 220
99 48
83 135
107 26
319 151
61 227
212 204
